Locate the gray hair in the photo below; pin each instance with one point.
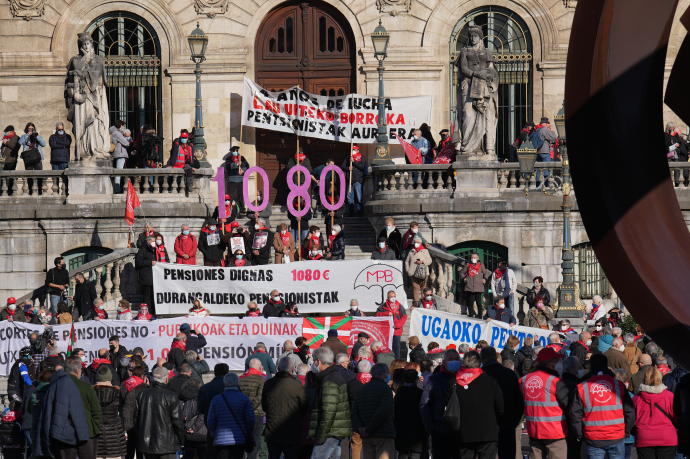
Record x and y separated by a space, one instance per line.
337 228
617 341
302 369
255 364
324 355
380 370
190 355
597 299
98 301
617 331
58 124
160 375
629 338
73 365
375 345
364 366
341 358
554 338
288 345
231 380
670 126
364 352
417 238
284 364
463 348
472 360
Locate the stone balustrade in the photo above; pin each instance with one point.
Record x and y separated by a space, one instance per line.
442 273
680 175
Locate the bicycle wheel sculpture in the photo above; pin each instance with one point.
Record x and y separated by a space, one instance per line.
614 119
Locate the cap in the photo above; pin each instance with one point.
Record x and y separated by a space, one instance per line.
544 120
227 197
548 354
332 332
184 135
184 328
362 335
11 300
451 346
355 147
143 305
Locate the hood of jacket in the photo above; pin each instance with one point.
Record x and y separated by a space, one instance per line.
646 391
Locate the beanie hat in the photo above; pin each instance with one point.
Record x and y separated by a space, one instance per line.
104 374
332 332
184 328
605 342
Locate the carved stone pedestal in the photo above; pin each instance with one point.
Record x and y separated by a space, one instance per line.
89 184
476 177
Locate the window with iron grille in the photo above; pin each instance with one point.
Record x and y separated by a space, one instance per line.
589 273
132 55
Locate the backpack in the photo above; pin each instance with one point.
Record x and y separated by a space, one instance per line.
536 139
451 414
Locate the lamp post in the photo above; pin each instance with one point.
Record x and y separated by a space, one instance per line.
527 157
567 303
198 41
380 38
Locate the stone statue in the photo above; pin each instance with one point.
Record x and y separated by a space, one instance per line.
479 98
86 101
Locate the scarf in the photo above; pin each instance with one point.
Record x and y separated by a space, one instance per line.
8 136
302 379
10 312
253 371
236 159
428 304
160 253
178 345
498 273
253 313
98 362
300 157
285 239
466 375
420 248
357 157
663 368
100 313
363 377
331 238
239 263
473 269
584 345
142 316
132 382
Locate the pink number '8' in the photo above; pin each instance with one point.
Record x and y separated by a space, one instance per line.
301 190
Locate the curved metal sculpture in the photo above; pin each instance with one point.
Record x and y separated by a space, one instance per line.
613 102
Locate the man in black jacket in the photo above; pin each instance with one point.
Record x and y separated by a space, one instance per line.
212 388
261 240
84 295
373 413
512 398
274 306
57 281
159 421
144 262
60 143
195 341
392 236
211 243
357 167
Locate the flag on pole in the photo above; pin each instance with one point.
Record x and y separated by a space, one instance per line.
315 329
131 203
414 156
72 340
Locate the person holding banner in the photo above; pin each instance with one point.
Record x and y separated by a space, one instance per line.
211 244
262 240
500 312
283 245
144 261
474 276
235 166
392 307
185 247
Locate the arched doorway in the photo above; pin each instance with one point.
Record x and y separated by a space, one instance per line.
507 36
133 68
310 45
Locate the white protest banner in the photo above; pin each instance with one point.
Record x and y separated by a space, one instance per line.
446 328
315 286
338 118
229 339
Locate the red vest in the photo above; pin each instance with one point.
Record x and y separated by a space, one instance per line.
544 417
602 401
183 153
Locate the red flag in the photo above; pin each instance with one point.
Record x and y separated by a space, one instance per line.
72 340
413 155
132 203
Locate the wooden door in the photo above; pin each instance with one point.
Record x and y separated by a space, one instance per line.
308 44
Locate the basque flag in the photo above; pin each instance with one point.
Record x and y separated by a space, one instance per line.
315 329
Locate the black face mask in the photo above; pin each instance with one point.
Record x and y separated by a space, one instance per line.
112 348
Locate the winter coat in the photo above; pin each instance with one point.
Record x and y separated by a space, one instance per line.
18 315
549 138
207 392
231 428
10 150
195 341
617 359
272 309
111 442
337 247
501 288
266 362
474 284
159 422
59 148
143 262
502 315
484 399
285 404
681 406
62 417
185 245
19 382
373 410
129 407
397 311
279 249
232 174
252 385
335 345
417 355
579 350
25 142
199 369
359 169
422 255
512 395
409 428
540 318
387 254
330 415
632 353
213 251
522 354
189 160
434 400
264 253
92 408
672 379
121 143
393 241
652 426
543 294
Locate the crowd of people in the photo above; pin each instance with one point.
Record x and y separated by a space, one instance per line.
589 395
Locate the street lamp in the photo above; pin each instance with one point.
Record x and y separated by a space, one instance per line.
380 38
527 157
198 41
567 303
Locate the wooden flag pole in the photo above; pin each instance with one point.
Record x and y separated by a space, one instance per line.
299 208
349 186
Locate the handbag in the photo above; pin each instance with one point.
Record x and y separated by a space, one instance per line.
673 421
31 156
249 444
420 272
451 413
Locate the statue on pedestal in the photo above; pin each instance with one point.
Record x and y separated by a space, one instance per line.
479 98
86 101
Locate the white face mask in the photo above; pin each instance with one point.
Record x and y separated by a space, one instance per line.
621 348
212 227
317 234
564 327
415 230
501 306
333 232
589 342
391 299
429 297
83 358
354 307
382 245
257 226
598 327
159 242
276 298
12 307
416 245
283 231
227 203
475 260
390 227
152 244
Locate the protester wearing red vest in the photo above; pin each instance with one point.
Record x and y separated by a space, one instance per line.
185 247
602 414
392 307
181 151
546 401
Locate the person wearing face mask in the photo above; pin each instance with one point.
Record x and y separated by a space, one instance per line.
143 314
144 261
283 245
336 244
182 157
232 212
393 308
198 310
408 239
60 143
11 313
84 294
161 251
599 327
117 354
252 310
499 311
274 305
428 300
235 166
392 236
540 315
474 276
565 328
119 146
354 309
422 145
57 281
615 355
382 251
238 259
581 347
358 168
185 247
149 230
313 246
261 241
332 217
504 284
124 310
417 266
538 292
596 311
211 244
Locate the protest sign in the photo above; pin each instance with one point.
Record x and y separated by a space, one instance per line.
446 328
338 118
229 339
316 286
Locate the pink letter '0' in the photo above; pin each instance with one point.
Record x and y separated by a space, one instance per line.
323 185
245 189
220 180
301 190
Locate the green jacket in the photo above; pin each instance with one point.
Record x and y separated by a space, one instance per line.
92 407
252 385
330 416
